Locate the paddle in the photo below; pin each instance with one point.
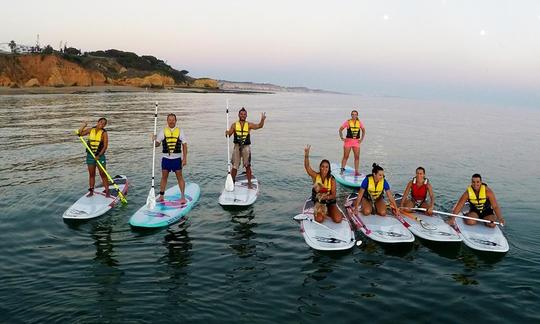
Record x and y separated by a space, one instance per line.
425 225
120 194
356 220
461 216
302 217
151 199
229 184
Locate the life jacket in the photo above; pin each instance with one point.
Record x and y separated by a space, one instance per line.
354 129
375 192
95 140
419 193
481 201
327 183
241 134
172 142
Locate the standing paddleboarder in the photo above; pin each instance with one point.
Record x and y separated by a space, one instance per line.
98 141
355 136
173 141
242 141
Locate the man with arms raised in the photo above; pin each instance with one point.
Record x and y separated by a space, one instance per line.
242 141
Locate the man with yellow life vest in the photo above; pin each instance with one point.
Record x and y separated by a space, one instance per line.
325 182
482 202
355 136
98 141
419 188
371 194
242 140
173 141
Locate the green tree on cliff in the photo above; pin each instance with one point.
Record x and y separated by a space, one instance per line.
47 50
13 46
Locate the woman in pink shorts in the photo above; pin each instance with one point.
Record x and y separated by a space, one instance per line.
355 136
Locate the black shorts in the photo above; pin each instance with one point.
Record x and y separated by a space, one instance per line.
485 212
326 202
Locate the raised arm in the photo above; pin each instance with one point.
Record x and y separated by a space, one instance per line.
83 130
260 124
308 168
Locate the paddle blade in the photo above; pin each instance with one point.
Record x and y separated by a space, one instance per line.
300 217
229 184
151 200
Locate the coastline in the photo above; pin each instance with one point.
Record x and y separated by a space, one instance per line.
116 89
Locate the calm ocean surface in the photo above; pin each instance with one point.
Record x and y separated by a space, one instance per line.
252 265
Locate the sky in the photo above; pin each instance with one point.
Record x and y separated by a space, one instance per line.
478 50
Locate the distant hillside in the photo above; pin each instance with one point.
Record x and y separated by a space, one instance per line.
251 86
111 67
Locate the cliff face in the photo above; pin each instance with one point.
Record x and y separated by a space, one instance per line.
55 71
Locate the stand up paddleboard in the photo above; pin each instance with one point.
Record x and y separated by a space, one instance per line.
325 236
168 211
480 237
384 229
432 228
97 204
347 178
241 195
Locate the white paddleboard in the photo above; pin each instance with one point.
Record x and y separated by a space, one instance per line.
432 228
482 238
97 204
330 237
241 195
168 211
347 178
384 229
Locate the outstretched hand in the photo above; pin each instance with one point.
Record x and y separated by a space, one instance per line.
263 116
306 149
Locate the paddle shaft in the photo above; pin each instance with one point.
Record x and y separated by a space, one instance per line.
120 194
228 149
154 146
461 216
328 228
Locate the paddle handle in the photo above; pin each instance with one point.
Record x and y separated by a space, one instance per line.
460 216
154 146
120 194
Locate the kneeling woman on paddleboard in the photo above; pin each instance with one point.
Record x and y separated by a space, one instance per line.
419 188
371 194
326 182
98 141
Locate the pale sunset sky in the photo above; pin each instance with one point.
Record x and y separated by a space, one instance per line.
485 50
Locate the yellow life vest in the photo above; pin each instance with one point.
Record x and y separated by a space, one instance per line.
354 129
94 140
172 142
478 202
327 183
375 192
241 134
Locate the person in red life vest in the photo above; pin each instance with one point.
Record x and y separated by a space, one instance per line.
355 136
482 203
242 141
98 141
371 194
174 144
419 188
323 182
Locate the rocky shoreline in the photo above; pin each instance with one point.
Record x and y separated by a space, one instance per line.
116 89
